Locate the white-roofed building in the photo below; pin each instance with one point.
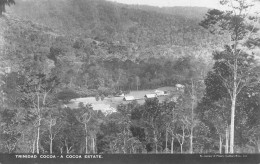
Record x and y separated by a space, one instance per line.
159 92
128 98
180 87
148 96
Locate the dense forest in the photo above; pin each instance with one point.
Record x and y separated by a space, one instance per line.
53 51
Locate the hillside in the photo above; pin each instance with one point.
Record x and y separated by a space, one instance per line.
107 21
196 13
141 28
97 47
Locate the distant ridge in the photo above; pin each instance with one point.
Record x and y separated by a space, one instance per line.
190 12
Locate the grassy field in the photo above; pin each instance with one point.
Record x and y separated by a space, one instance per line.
112 102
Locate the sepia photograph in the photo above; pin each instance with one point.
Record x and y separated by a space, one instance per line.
130 81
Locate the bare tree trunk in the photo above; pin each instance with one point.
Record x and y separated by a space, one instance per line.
44 98
183 135
33 150
191 141
124 150
172 145
51 138
93 146
227 140
192 115
233 99
232 126
86 133
30 148
172 142
51 146
39 122
220 144
86 144
258 147
96 145
67 147
38 137
86 138
166 141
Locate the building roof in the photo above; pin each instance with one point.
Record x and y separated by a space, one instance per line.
179 86
158 91
150 96
128 98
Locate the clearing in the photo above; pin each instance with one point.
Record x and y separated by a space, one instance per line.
109 104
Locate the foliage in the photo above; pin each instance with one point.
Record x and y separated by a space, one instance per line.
67 95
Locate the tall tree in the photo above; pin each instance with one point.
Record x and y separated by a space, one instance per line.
238 25
54 124
153 120
37 89
219 84
83 116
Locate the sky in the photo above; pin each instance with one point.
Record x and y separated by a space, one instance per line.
169 3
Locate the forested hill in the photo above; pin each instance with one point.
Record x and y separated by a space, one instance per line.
103 45
183 11
107 21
